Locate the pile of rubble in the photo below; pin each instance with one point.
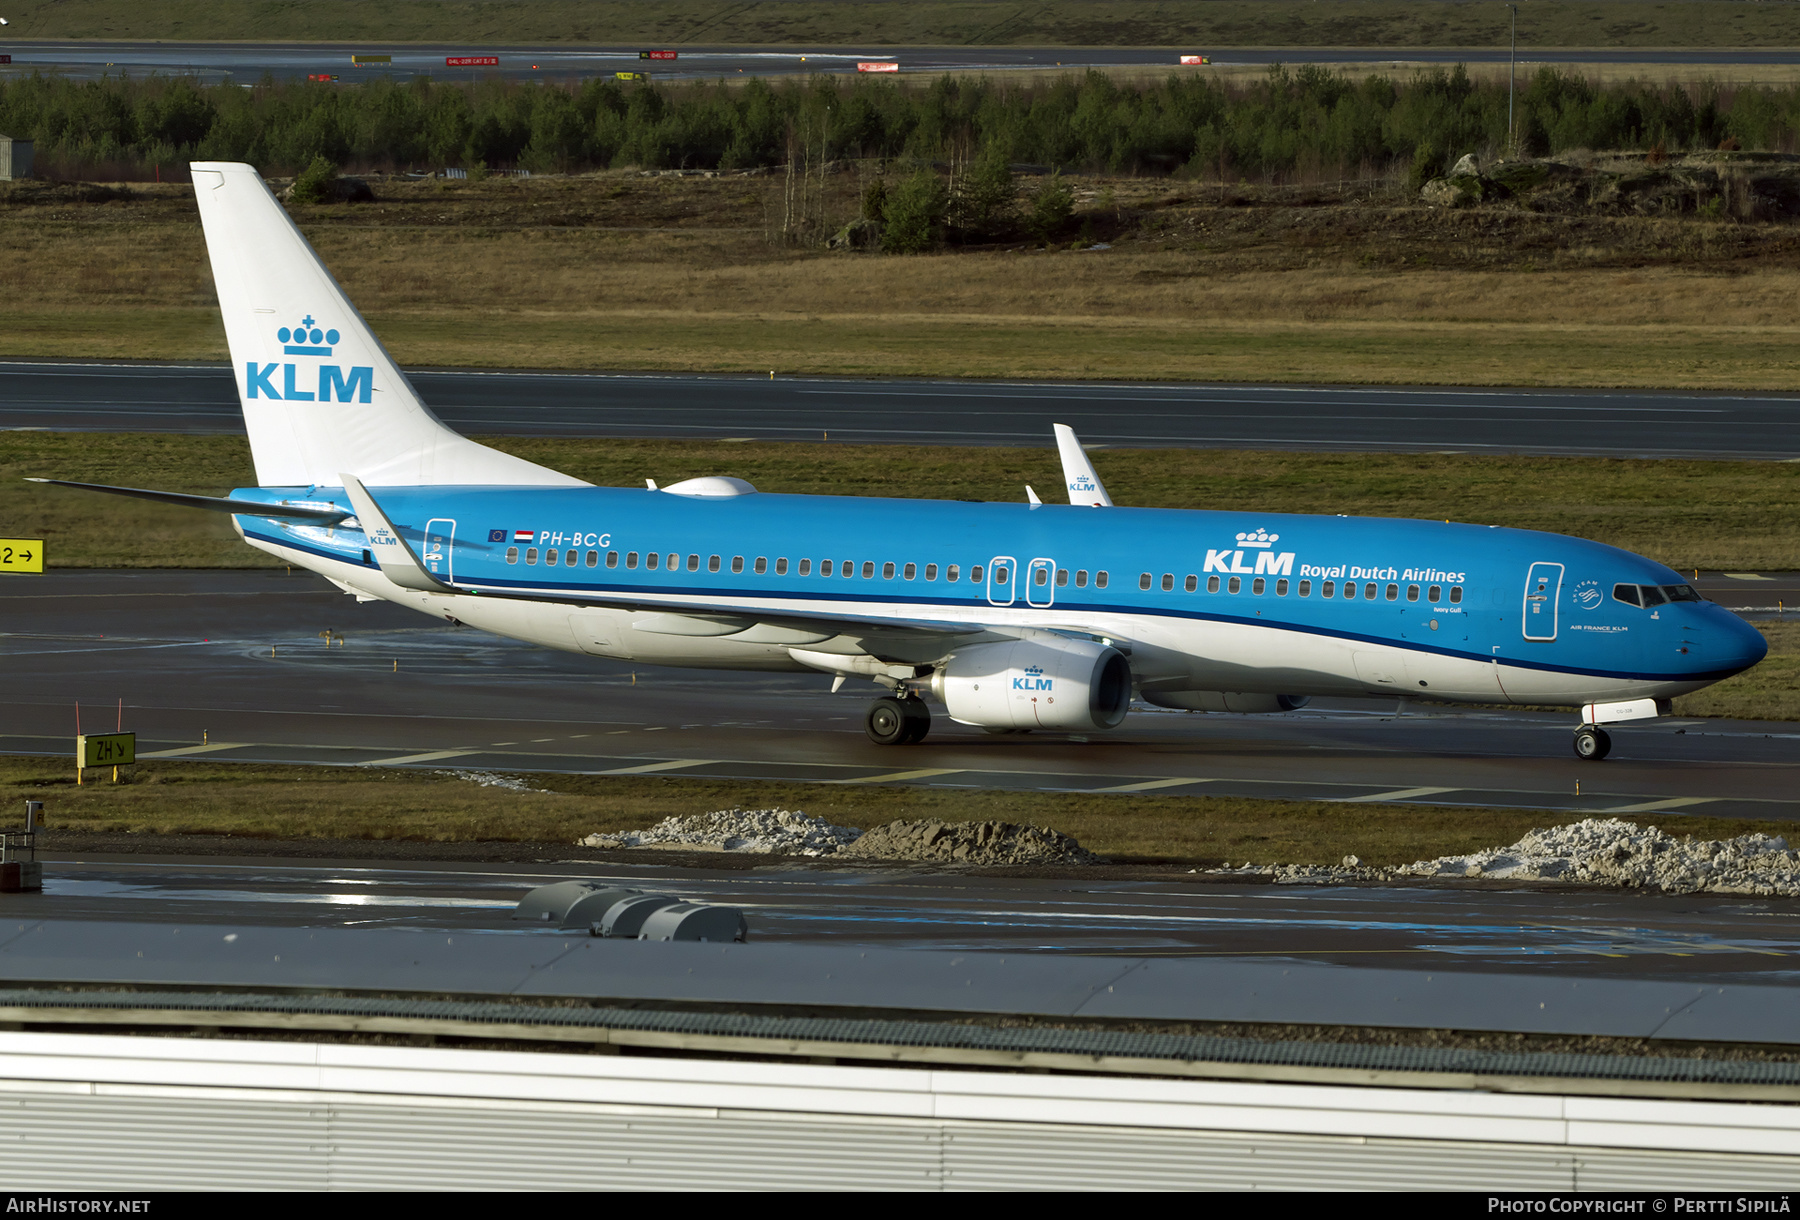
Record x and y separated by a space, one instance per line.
754 830
789 832
970 843
1597 851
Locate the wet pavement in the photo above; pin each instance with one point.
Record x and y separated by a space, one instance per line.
1483 928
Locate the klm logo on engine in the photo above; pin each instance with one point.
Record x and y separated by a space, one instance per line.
334 383
1034 679
1269 562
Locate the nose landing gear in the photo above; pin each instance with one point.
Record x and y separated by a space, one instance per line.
1592 743
892 721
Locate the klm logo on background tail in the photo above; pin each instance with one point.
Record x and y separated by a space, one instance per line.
308 339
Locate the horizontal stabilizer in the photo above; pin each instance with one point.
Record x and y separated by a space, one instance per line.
392 553
217 504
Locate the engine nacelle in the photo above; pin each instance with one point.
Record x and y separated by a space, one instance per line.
1224 701
1044 683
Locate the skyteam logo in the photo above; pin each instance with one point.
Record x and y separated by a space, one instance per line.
1034 679
297 382
1268 562
306 339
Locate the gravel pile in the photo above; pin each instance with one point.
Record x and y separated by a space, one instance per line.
970 843
493 779
1607 851
1598 851
754 830
789 832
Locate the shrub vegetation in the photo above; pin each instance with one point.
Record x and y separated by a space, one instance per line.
1309 121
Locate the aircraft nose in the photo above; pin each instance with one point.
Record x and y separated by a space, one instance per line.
1740 644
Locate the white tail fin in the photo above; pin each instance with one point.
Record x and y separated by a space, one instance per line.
1078 473
320 394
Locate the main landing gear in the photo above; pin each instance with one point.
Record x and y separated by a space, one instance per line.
892 721
1592 743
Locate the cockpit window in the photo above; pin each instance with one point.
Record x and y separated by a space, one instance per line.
1655 595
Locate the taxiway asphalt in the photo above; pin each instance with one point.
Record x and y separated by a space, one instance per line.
198 399
236 666
246 60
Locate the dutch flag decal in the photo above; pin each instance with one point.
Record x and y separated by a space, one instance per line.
524 535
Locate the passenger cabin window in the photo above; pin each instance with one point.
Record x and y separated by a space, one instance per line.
806 567
975 575
1433 593
762 565
1040 576
1412 593
1455 593
887 571
1349 589
1192 583
712 563
931 571
1369 591
530 554
1393 593
612 559
1258 585
869 569
1062 577
1212 584
512 554
593 559
1281 587
1144 581
911 572
848 568
1168 581
693 563
673 561
950 573
781 566
1081 578
1099 580
824 567
1306 588
652 560
737 563
1328 589
550 557
1236 584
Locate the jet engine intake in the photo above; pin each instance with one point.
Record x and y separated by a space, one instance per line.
1043 683
1224 701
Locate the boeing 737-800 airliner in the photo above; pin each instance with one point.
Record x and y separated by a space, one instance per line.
1013 616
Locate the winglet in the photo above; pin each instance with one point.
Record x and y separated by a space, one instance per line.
1078 472
392 554
1031 497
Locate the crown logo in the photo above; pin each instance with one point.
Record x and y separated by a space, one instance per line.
307 339
1261 537
1034 671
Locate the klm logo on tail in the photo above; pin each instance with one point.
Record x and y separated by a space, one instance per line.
334 384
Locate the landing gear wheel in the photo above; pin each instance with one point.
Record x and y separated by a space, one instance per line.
1592 744
887 723
918 720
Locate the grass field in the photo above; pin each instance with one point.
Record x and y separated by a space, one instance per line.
1343 283
349 803
1188 23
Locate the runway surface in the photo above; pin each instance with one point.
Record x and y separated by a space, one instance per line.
1519 929
203 399
235 666
218 61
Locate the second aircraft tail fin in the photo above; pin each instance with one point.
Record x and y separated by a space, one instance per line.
1078 473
